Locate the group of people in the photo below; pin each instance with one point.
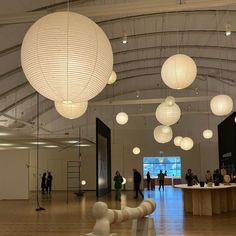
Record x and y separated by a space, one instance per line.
161 179
137 178
46 183
217 177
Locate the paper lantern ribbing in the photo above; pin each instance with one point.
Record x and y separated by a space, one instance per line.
168 115
136 150
179 71
177 140
221 105
186 143
207 134
71 110
163 134
66 57
112 78
122 118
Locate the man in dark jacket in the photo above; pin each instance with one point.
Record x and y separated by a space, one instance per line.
137 181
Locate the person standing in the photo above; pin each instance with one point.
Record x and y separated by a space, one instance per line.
49 183
137 182
118 185
148 180
161 178
208 177
189 177
43 183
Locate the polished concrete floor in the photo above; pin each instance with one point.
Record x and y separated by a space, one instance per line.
19 218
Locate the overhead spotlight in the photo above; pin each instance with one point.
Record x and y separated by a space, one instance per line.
228 30
125 39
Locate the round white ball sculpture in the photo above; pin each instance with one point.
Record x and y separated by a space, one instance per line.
168 115
71 110
163 134
112 78
186 143
122 118
136 150
179 71
170 101
177 140
66 57
221 105
207 134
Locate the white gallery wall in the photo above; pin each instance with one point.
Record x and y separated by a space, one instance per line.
20 179
14 174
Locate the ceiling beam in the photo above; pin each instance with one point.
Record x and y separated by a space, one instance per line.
22 100
7 51
221 79
10 73
15 89
159 67
141 7
24 122
149 101
140 59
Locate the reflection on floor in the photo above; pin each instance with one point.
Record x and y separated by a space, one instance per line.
19 218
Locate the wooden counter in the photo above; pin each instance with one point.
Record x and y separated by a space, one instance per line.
209 200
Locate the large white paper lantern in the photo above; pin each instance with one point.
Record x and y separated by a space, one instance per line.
168 115
186 143
122 118
207 133
177 140
221 105
71 110
163 134
179 71
66 57
136 150
112 78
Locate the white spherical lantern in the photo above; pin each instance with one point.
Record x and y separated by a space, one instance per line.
112 78
221 105
207 134
122 118
177 140
168 115
186 143
66 57
179 71
163 134
83 182
170 101
136 150
71 110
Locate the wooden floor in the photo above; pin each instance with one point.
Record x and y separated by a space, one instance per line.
19 218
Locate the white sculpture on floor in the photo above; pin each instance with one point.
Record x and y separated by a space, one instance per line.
105 217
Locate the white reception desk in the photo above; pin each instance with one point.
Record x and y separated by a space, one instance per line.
209 200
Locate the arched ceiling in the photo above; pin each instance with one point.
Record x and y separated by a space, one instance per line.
155 30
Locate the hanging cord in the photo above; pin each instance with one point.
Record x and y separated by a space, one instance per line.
39 208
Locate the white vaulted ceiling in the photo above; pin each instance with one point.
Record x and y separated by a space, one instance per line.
155 31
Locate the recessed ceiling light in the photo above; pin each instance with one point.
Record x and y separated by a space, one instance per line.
72 141
37 143
6 144
22 147
4 134
125 39
228 30
51 146
83 145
